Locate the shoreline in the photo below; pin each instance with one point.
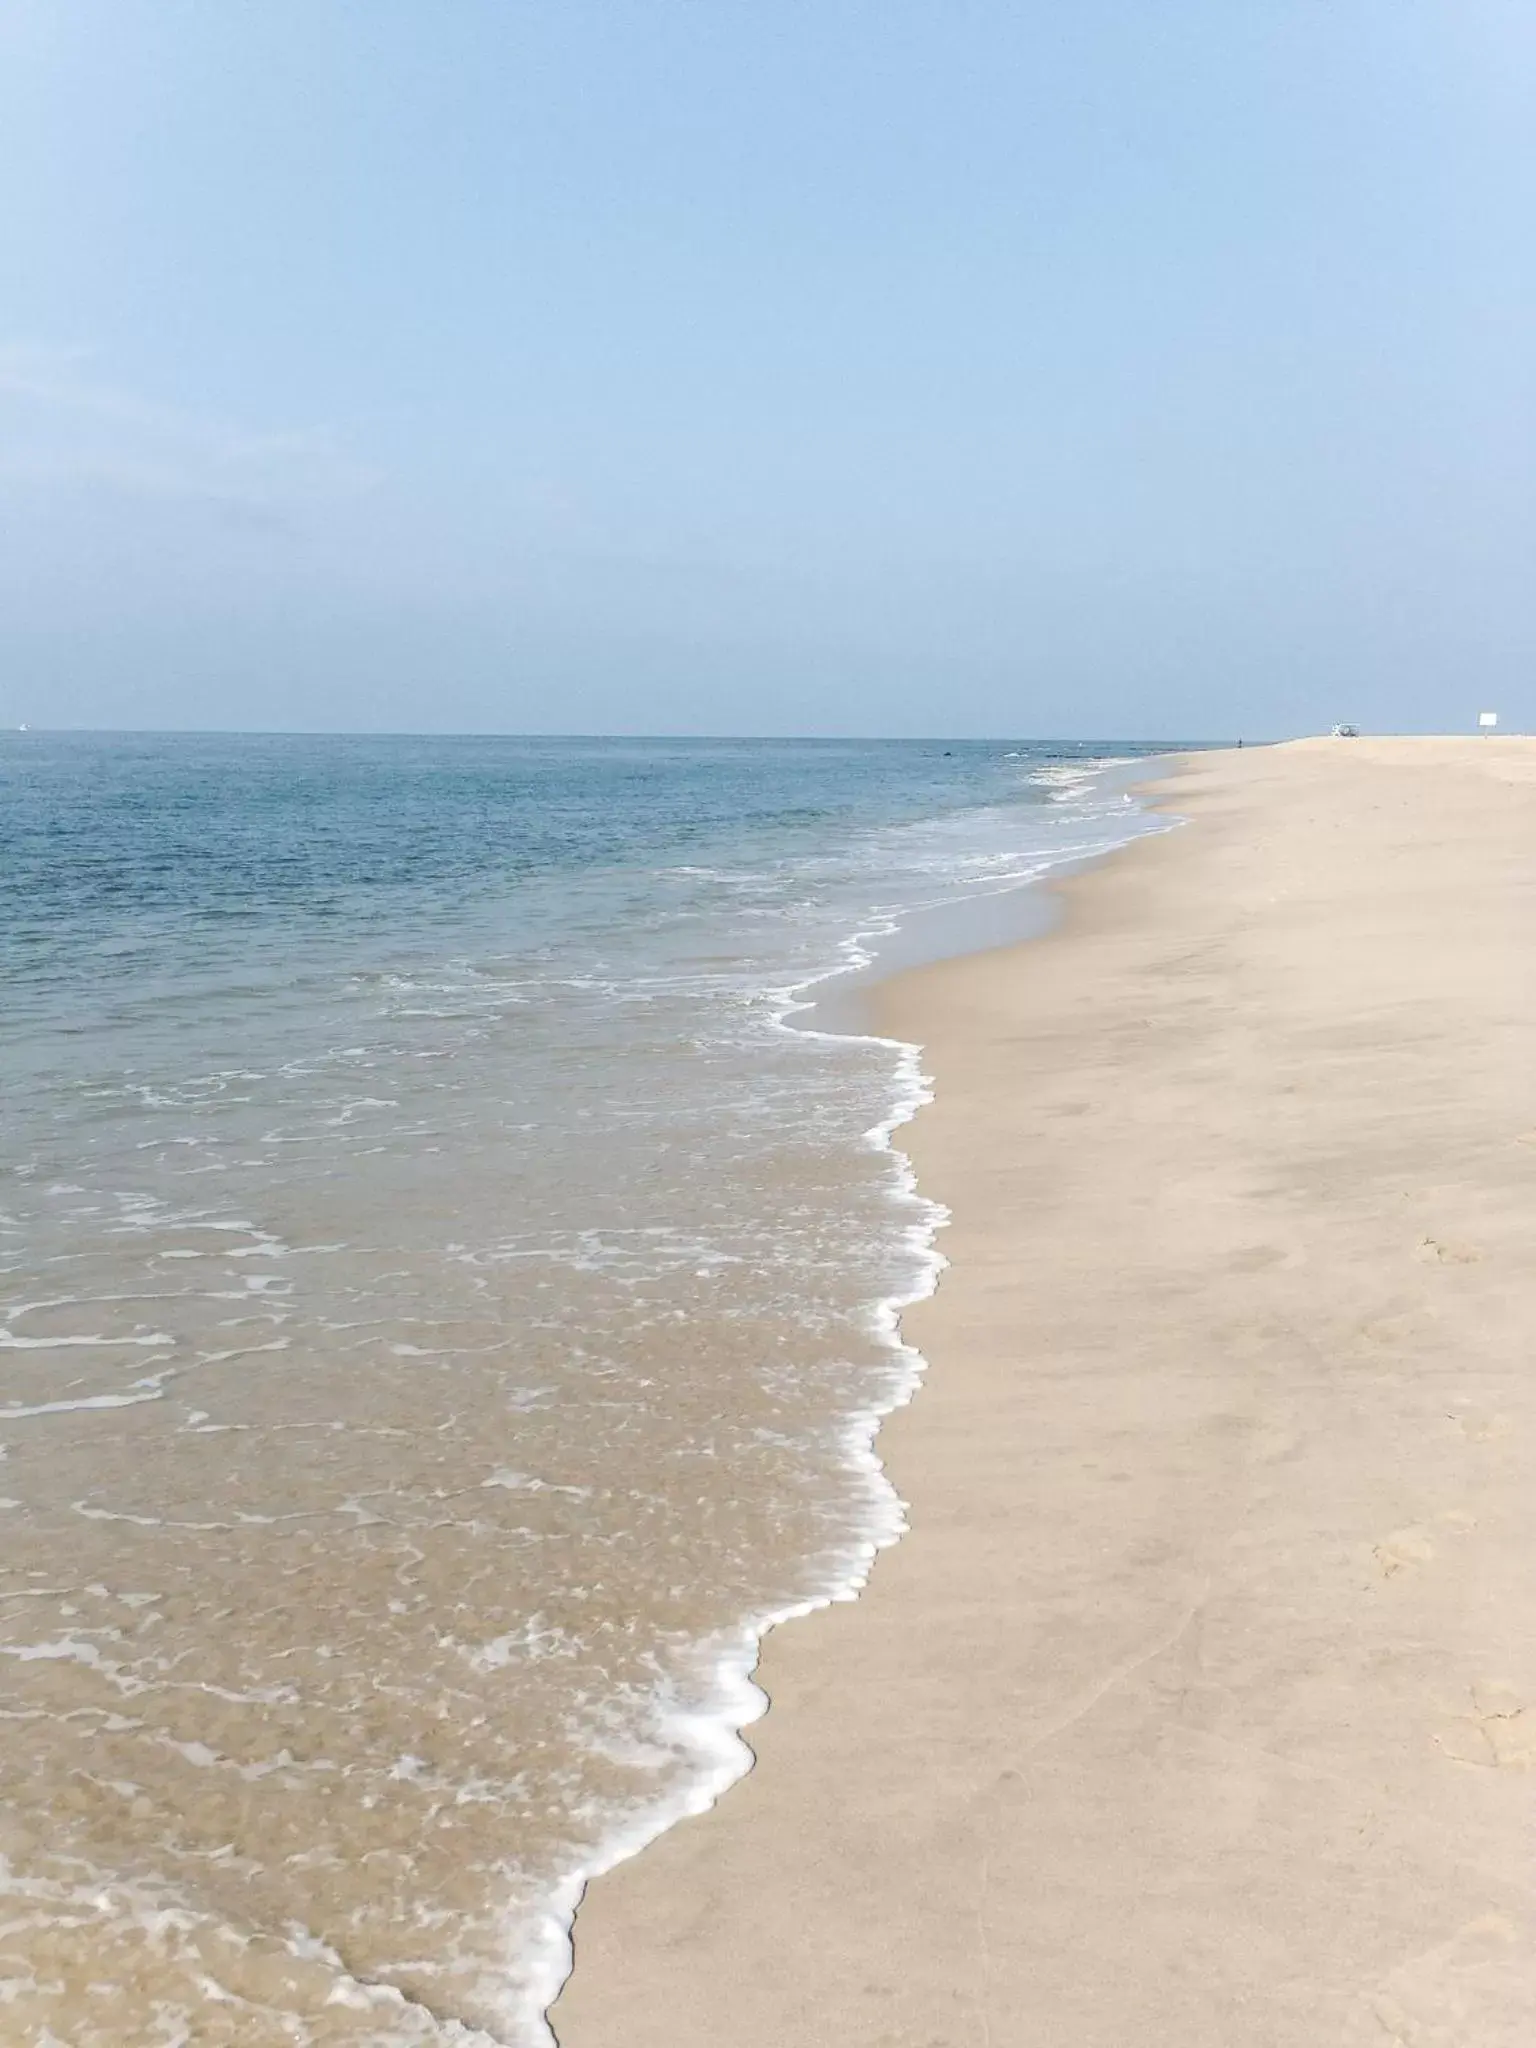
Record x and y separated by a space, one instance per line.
987 920
841 1003
723 1752
771 1917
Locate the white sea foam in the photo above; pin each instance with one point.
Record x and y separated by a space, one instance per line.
84 1401
8 1342
712 1730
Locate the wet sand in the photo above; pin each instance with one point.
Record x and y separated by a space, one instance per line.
1199 1705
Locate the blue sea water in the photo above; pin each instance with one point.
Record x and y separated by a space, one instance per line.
447 1311
132 860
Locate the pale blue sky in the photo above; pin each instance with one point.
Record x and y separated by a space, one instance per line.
1120 367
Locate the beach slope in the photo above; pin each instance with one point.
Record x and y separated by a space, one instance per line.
1199 1706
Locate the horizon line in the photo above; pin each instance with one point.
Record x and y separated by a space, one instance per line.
712 738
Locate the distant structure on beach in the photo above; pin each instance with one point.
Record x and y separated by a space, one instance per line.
1346 732
1487 720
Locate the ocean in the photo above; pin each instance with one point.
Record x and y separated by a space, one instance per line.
448 1302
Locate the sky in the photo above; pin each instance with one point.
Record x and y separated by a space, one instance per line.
1104 369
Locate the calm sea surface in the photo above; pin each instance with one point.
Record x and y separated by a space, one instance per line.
445 1311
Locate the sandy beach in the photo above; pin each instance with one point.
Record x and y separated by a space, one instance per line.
1198 1707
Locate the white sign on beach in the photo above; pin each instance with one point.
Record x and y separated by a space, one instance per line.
1487 719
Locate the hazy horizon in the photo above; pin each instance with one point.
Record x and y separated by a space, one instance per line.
830 739
887 370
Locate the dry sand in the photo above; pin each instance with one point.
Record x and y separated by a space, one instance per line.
1199 1706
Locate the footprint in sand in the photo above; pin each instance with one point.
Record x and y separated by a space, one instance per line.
1402 1548
1481 1428
1262 1258
1499 1734
1391 1331
1434 1251
1474 1986
1415 1544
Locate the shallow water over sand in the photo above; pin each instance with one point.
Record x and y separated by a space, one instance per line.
445 1308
